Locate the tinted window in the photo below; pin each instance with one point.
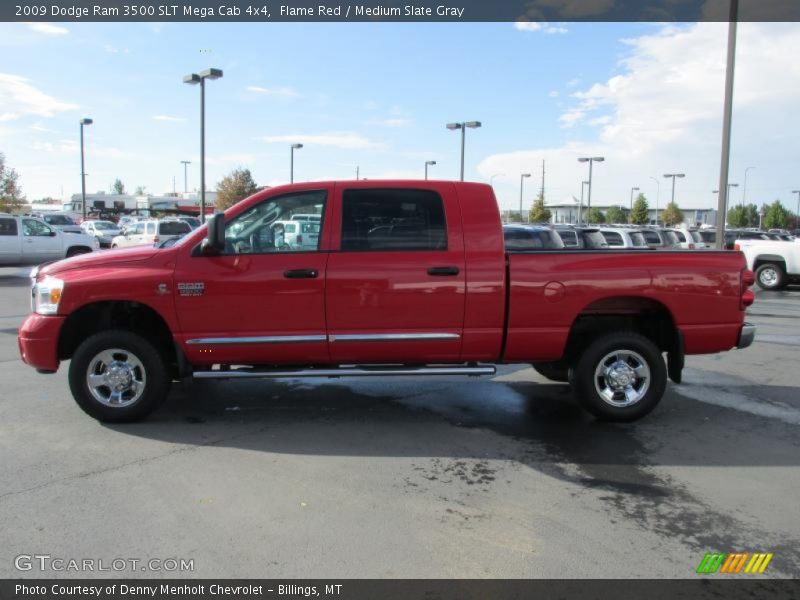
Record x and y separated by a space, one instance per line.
8 227
31 227
104 225
638 239
263 228
652 238
173 228
58 220
696 236
680 236
594 239
673 239
382 220
613 238
570 238
138 229
708 236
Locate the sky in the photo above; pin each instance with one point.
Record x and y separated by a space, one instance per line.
377 96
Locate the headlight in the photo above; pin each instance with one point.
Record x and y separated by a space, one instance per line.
46 295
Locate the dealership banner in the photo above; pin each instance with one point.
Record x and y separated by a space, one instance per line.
534 11
396 589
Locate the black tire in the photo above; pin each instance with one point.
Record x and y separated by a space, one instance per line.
621 349
553 371
78 251
770 276
150 367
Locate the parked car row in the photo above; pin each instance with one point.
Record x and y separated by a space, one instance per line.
27 240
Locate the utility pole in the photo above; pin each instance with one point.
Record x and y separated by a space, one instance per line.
722 201
542 180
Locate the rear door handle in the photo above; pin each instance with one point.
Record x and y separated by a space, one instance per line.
301 274
443 271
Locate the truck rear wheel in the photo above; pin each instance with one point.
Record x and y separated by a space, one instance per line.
117 376
770 276
620 377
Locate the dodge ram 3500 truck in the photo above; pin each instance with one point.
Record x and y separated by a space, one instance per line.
402 278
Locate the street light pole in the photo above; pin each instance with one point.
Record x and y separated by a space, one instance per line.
797 214
185 164
83 169
521 185
463 128
722 201
580 206
428 163
633 190
673 176
292 148
658 196
744 189
194 79
590 160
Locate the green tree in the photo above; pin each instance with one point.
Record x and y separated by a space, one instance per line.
616 215
777 216
11 198
140 190
751 215
640 214
539 214
738 217
671 215
514 217
118 187
236 186
594 215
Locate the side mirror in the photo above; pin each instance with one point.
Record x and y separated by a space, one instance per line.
215 240
52 233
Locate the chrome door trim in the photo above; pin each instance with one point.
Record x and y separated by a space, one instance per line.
264 339
391 337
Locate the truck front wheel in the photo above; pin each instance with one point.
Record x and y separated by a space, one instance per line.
620 377
117 376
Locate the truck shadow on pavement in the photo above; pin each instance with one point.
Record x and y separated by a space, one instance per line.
430 418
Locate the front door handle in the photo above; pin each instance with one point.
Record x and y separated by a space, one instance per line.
301 274
443 271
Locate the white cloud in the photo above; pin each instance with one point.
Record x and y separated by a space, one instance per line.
168 118
20 98
662 111
344 140
554 94
48 28
283 92
539 26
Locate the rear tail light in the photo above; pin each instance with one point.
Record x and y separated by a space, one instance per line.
691 246
156 239
747 297
737 247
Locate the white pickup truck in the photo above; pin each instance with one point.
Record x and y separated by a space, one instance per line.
776 264
31 241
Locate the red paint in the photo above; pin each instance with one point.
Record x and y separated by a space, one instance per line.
705 294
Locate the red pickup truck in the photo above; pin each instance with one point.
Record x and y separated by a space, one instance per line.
378 278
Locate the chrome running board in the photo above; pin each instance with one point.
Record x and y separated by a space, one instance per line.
364 371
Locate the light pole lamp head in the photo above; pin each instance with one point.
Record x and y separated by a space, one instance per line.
297 146
86 121
211 73
473 124
453 126
584 159
634 189
192 79
733 185
525 175
598 158
796 191
430 162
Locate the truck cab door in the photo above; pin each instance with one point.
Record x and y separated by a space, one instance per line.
395 287
40 242
258 302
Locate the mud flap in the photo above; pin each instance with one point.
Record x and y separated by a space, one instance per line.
675 359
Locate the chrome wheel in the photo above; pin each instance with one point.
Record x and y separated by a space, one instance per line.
622 378
116 378
768 277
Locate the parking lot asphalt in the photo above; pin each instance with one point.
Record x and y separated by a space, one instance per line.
417 478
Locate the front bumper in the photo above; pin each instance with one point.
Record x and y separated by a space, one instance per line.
38 341
746 335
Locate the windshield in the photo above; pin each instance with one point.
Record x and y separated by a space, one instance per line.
708 236
58 220
105 225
